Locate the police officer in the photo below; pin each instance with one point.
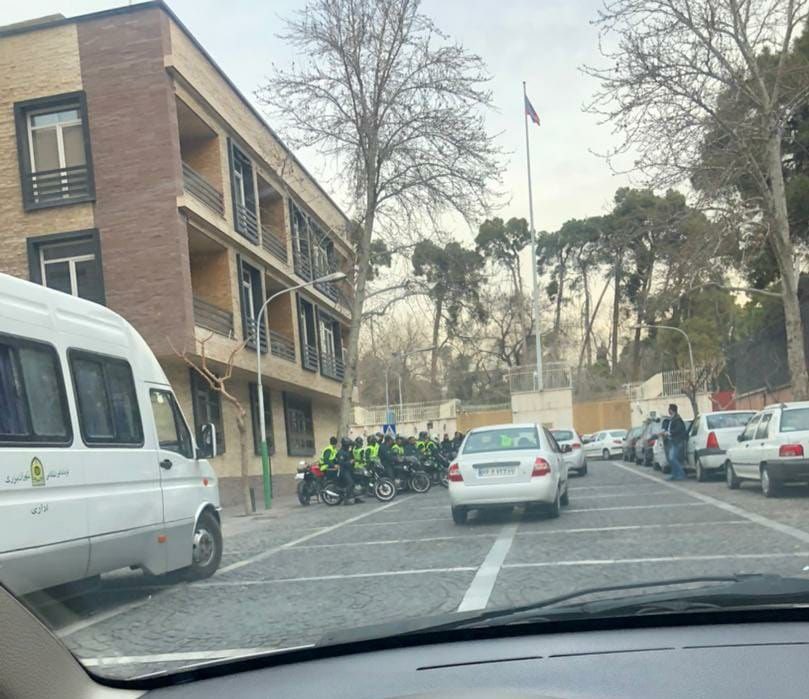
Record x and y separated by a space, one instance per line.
398 446
446 446
328 456
410 448
359 453
372 450
345 464
456 443
421 444
387 457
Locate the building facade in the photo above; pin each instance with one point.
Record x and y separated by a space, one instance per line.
133 173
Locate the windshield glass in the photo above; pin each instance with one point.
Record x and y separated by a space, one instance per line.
722 421
315 317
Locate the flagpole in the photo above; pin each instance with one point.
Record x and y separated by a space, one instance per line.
535 303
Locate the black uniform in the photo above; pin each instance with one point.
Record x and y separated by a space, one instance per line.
387 457
345 465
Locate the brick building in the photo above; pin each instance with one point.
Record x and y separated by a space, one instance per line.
133 173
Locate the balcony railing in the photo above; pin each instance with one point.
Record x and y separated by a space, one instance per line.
213 318
303 268
60 185
331 366
273 244
203 190
309 358
282 346
246 223
250 326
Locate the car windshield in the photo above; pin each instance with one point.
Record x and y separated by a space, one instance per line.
721 421
502 439
315 317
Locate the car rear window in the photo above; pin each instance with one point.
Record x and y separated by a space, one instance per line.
723 421
618 433
563 435
795 420
509 438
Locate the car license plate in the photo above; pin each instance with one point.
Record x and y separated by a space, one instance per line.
494 471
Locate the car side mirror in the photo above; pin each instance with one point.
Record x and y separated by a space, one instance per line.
740 437
566 448
207 437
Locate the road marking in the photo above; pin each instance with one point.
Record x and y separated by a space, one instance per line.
794 532
480 589
408 521
638 507
386 542
319 532
645 494
340 576
601 487
657 559
540 532
98 618
230 653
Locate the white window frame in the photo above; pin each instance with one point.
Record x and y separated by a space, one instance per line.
239 179
58 126
43 263
329 347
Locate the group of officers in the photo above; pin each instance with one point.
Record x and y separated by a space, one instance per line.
389 451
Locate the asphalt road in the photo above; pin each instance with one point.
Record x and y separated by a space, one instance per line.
286 580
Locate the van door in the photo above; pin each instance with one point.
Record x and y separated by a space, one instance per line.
181 476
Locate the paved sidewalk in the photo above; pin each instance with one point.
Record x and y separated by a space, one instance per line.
235 522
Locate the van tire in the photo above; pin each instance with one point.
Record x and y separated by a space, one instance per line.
207 533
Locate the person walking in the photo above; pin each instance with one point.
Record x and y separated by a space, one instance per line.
677 433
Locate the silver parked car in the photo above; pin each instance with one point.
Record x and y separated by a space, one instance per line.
710 437
507 465
570 443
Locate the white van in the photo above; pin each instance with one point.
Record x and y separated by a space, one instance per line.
98 468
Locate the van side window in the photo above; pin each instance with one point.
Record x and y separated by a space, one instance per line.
172 432
106 398
33 404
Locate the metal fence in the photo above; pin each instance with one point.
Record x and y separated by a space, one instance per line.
523 379
410 412
677 381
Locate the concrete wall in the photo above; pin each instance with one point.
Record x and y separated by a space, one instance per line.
438 425
641 409
593 416
552 408
482 418
756 400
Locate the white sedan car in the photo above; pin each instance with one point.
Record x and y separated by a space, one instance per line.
507 465
570 442
606 444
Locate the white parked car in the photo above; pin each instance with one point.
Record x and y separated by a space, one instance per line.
606 444
772 449
98 468
507 465
711 435
570 442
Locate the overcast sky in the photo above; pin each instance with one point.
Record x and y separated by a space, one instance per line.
542 43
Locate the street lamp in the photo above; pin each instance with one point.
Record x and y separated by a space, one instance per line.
265 454
687 339
403 356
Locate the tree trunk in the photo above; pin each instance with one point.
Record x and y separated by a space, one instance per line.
560 290
642 303
587 344
244 464
784 255
590 321
616 307
439 304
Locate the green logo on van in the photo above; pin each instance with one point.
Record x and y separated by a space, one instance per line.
37 472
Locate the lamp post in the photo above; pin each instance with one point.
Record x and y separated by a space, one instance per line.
403 356
687 339
265 453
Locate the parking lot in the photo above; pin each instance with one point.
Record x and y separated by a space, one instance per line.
286 580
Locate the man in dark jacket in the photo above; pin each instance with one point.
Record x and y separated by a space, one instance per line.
387 456
345 465
677 434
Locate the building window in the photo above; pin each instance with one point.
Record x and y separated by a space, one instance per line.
106 399
299 424
207 407
33 404
244 195
267 419
69 262
300 242
53 144
252 299
308 332
331 348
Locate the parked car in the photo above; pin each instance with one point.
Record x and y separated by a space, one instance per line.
772 449
586 438
646 441
99 468
660 459
570 442
710 437
507 465
628 447
605 444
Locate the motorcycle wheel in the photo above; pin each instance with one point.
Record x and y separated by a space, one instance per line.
384 490
304 493
331 495
420 482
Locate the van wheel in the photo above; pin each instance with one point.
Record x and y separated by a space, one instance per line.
207 548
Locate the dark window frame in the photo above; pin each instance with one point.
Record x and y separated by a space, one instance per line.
254 417
197 382
34 246
287 398
36 440
21 111
104 359
315 332
257 274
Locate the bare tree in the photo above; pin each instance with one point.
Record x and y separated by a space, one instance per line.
689 75
383 93
218 381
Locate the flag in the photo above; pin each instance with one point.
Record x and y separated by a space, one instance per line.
530 111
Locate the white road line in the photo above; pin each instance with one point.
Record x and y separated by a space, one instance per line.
623 527
98 618
657 559
645 494
325 530
794 532
388 542
638 507
480 589
408 521
230 653
574 488
341 576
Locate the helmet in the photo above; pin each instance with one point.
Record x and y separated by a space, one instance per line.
358 441
422 435
345 442
371 439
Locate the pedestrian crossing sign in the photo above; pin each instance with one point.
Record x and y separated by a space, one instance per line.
389 429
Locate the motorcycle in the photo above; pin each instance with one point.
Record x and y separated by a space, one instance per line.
437 468
369 480
410 476
310 482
